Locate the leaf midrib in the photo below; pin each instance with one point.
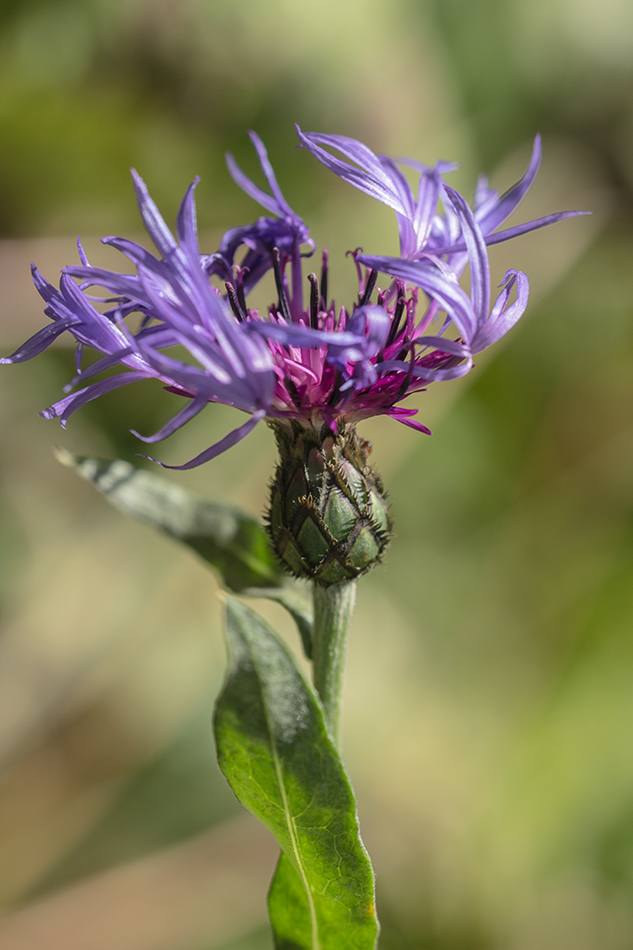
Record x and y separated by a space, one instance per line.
316 941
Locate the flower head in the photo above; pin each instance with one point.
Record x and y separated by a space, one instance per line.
316 365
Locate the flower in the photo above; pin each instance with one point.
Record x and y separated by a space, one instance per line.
314 366
421 229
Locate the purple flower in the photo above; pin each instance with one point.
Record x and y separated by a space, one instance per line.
422 230
286 232
319 365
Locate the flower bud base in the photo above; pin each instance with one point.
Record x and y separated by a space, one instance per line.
328 518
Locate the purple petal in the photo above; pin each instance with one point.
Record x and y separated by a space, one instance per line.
513 232
136 252
406 225
372 324
276 203
226 443
503 317
261 237
93 327
65 407
152 218
371 177
503 207
269 174
186 224
445 346
43 287
432 368
293 334
484 194
477 255
448 294
441 374
123 285
400 185
404 416
127 356
428 194
185 415
532 225
441 167
251 189
40 340
83 257
213 380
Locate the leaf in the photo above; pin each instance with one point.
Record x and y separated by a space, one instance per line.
278 758
231 541
234 543
298 606
288 908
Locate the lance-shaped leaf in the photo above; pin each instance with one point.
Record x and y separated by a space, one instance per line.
230 540
280 761
298 605
288 908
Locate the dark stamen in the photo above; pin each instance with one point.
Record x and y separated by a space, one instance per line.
336 389
233 301
240 291
397 316
284 306
406 382
294 392
314 301
369 288
324 260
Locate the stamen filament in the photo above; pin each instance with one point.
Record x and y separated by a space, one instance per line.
314 301
324 269
284 306
234 302
369 288
397 315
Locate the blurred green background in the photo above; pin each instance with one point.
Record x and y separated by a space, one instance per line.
489 708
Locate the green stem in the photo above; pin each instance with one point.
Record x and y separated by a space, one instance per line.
333 608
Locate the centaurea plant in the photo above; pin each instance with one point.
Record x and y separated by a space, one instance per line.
312 370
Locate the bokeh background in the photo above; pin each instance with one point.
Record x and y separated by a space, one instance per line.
489 708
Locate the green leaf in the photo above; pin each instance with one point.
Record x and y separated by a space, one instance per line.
280 761
231 541
234 543
298 605
288 908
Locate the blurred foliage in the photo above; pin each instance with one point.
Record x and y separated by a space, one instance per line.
176 795
489 708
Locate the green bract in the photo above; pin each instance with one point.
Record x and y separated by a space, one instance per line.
328 517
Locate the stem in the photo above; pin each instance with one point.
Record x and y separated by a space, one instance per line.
333 608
